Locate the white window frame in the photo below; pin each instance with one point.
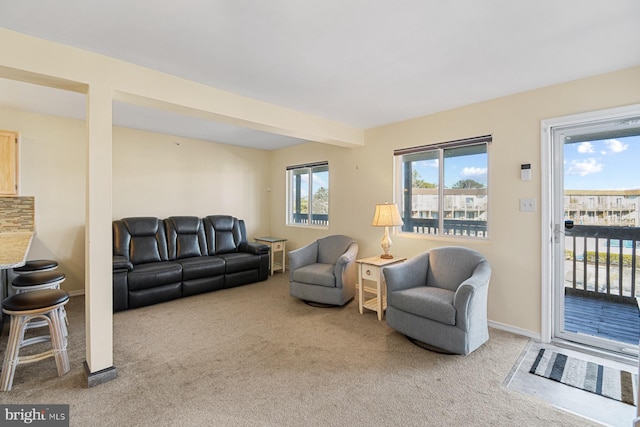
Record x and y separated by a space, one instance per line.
399 159
312 220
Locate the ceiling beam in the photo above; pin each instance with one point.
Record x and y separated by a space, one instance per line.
35 60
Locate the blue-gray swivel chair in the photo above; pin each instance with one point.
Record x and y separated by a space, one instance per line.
324 271
439 298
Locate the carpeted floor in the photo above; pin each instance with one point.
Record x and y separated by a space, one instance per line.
254 356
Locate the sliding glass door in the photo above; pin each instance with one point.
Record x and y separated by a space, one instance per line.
596 222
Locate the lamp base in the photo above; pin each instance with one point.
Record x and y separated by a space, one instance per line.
386 244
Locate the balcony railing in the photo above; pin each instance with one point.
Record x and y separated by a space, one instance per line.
316 219
603 260
452 227
628 205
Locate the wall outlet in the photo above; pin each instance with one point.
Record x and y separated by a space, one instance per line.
527 205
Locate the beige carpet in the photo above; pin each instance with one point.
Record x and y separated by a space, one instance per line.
254 356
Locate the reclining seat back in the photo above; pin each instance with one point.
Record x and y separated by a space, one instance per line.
142 241
185 235
222 233
227 239
187 245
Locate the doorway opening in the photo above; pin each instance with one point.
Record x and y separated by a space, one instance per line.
591 226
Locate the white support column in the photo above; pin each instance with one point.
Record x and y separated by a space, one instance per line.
98 250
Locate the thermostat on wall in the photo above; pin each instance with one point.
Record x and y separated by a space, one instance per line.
525 171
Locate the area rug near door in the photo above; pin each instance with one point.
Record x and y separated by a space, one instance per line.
603 380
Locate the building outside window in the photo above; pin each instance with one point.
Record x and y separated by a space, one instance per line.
443 188
620 208
308 194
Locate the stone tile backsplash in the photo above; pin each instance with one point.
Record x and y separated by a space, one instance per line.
16 214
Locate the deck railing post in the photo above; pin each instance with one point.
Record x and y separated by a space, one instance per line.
585 258
624 239
596 287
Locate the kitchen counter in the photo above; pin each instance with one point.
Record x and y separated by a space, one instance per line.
14 246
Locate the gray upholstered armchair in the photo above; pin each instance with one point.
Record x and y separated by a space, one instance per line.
324 271
440 298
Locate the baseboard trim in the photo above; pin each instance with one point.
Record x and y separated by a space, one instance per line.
99 377
76 293
514 330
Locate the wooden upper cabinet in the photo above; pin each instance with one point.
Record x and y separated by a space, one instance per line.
8 163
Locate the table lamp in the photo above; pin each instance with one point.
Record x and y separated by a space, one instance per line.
386 216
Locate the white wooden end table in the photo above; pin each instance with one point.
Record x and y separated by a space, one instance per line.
370 270
277 244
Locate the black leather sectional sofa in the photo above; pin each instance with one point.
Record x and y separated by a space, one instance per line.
157 260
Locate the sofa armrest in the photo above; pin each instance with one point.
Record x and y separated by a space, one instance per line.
121 263
254 248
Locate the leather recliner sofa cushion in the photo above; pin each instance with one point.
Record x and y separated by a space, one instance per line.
188 246
222 234
186 237
235 262
204 266
154 274
142 240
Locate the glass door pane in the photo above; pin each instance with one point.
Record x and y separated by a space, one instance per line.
601 215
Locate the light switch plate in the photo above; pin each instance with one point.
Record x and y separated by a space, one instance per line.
527 205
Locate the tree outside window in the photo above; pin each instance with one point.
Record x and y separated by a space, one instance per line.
444 188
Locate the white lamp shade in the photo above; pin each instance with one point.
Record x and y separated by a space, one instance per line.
386 215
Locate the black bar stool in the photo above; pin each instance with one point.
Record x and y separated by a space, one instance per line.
39 280
36 265
50 279
43 304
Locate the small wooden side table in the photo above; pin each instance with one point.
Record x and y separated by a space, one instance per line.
370 269
277 244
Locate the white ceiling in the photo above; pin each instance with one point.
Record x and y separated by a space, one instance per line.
360 62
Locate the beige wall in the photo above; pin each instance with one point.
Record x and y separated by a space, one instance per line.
362 177
153 174
52 169
163 175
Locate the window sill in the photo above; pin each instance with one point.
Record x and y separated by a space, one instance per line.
309 227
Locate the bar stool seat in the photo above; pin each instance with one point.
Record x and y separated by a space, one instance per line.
40 280
43 304
36 265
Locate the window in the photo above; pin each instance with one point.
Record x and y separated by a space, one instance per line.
308 194
444 188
